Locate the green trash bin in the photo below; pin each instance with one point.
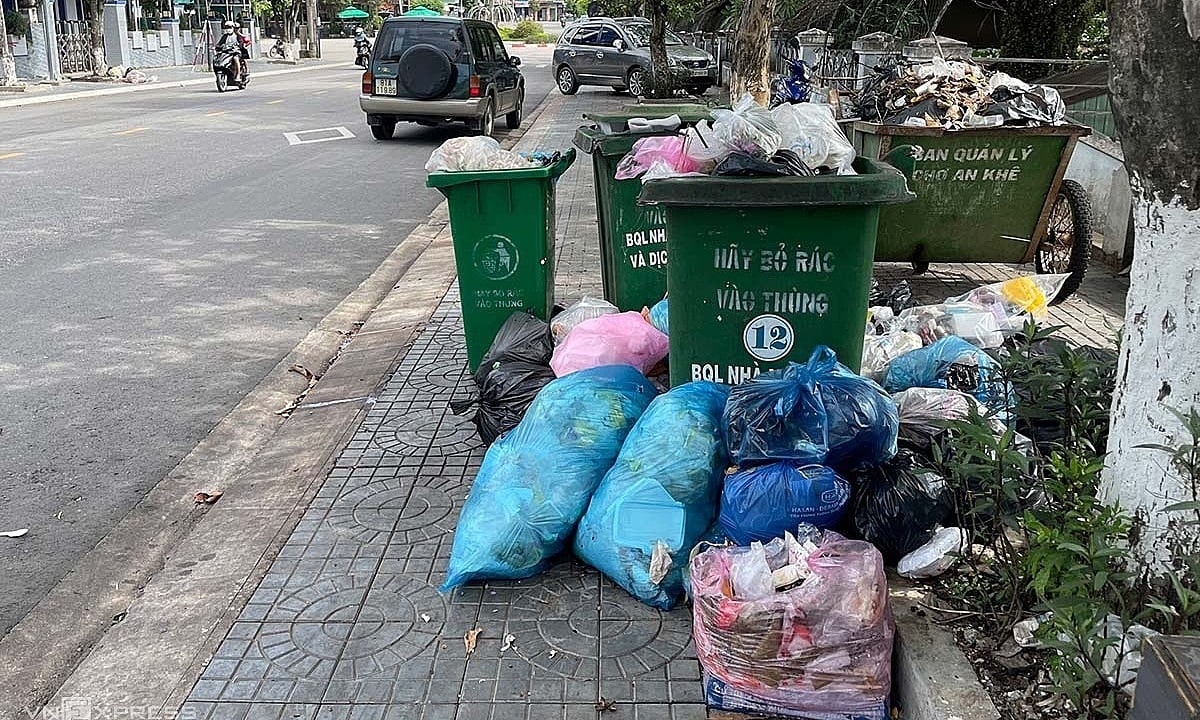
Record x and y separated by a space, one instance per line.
765 269
502 222
633 248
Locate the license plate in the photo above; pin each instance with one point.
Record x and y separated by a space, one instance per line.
700 72
385 87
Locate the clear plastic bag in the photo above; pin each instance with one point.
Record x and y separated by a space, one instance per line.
1009 301
586 309
974 323
934 557
923 410
656 157
536 480
810 130
764 502
466 154
660 496
822 648
819 412
619 339
702 145
880 350
748 127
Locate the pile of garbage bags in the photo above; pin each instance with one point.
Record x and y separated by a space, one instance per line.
956 95
472 154
747 140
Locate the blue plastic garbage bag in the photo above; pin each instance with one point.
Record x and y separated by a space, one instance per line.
660 496
818 412
535 481
954 364
658 316
763 502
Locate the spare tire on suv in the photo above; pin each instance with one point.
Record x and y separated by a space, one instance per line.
427 71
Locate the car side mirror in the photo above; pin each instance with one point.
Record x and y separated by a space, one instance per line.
514 61
619 45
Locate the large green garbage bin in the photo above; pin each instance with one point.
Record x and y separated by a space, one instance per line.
765 269
503 227
633 244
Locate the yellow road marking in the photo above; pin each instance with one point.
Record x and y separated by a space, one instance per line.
131 131
274 102
11 155
215 114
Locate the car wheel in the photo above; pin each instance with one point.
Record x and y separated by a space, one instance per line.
486 123
637 82
567 83
513 119
384 131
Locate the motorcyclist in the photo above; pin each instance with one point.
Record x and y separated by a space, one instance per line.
362 46
231 42
244 42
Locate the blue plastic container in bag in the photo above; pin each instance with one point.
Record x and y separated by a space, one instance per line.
535 481
662 490
763 502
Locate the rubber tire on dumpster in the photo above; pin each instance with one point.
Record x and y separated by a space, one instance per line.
426 71
1078 221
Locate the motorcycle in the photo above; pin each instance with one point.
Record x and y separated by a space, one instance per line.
363 55
223 68
278 51
793 88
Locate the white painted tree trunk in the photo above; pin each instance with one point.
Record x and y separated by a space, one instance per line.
8 68
1159 369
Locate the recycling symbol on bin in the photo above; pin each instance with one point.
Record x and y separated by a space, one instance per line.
496 257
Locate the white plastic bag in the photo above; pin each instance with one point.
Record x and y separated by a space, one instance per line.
1008 300
934 557
586 309
466 154
880 350
982 326
751 575
748 127
810 130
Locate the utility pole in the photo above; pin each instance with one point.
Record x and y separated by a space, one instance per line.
53 61
313 37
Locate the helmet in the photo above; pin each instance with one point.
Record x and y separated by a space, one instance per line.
228 25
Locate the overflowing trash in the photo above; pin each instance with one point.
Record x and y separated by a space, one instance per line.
811 131
657 316
952 364
535 481
819 412
657 501
586 309
898 298
880 350
616 339
473 154
924 412
898 506
762 503
522 338
956 95
818 646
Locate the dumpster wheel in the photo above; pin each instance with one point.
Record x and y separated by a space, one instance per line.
1067 245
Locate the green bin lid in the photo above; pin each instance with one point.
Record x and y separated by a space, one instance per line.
877 183
449 179
594 140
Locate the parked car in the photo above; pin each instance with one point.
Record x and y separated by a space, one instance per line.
615 52
432 70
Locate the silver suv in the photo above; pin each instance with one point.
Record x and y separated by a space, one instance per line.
615 52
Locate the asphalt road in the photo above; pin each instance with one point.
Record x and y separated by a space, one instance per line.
160 252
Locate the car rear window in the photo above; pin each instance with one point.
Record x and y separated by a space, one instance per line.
395 38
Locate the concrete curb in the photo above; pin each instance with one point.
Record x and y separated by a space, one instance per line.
207 80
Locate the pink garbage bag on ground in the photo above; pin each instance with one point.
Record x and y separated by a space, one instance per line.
821 647
618 339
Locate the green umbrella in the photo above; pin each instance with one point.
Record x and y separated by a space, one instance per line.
422 11
352 13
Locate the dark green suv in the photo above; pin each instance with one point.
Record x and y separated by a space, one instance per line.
432 70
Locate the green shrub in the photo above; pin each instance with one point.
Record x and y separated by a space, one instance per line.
17 23
527 30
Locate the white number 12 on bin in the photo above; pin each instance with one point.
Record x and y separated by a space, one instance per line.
768 337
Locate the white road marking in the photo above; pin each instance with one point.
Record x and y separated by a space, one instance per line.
294 138
543 65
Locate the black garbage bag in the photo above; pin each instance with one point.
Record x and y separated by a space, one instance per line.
897 507
506 394
899 298
1038 105
782 163
522 338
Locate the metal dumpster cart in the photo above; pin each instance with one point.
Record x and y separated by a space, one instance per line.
986 195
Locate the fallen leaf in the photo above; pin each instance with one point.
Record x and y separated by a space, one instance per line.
203 498
553 653
606 705
471 638
14 533
119 617
301 370
508 642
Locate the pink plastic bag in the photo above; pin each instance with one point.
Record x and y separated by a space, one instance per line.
824 646
618 339
664 155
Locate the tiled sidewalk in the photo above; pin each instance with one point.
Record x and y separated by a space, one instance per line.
347 624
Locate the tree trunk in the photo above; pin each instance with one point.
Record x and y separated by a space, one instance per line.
660 68
93 12
8 66
1154 65
752 51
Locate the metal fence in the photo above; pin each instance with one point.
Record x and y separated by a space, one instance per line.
74 46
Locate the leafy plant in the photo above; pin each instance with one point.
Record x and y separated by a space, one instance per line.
438 6
17 23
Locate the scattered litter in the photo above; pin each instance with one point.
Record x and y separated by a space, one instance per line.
425 617
472 154
203 498
119 617
923 412
553 653
508 643
1025 632
586 309
618 339
606 705
934 557
471 638
299 369
15 533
